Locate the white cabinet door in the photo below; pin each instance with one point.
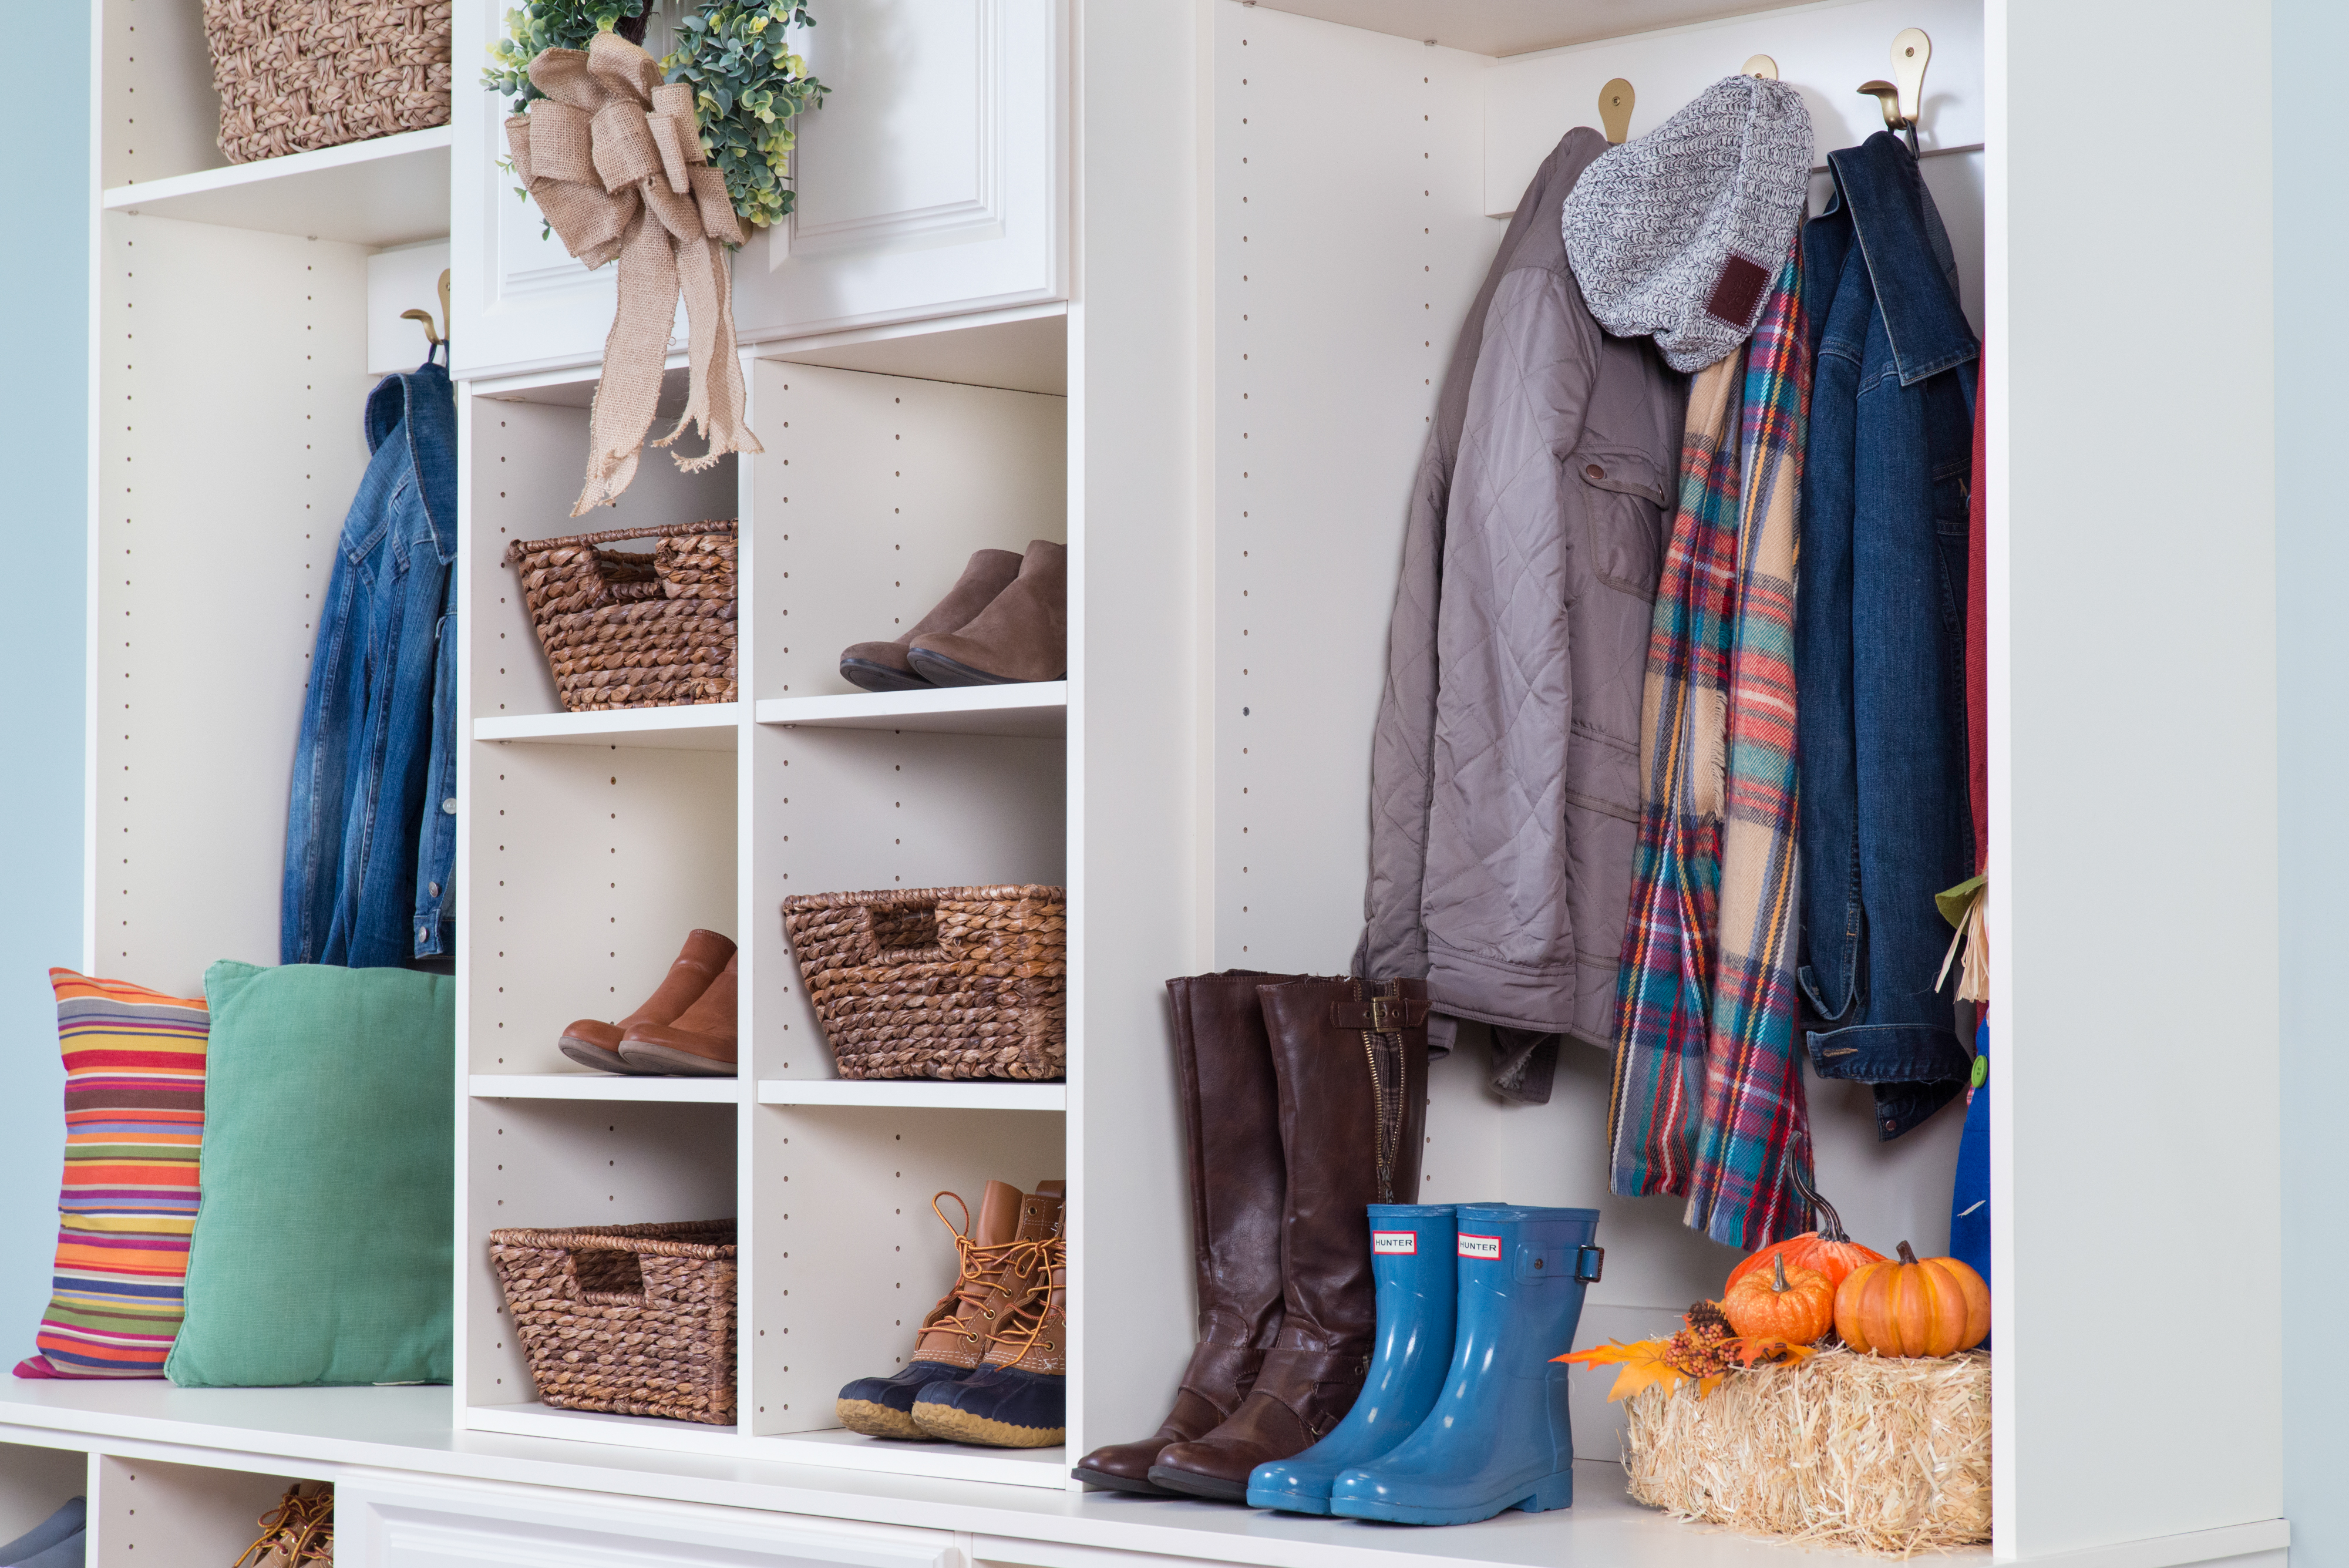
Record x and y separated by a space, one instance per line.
932 183
933 180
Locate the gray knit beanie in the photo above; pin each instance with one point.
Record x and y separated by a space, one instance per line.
1680 232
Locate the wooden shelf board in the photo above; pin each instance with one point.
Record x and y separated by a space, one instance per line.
1037 709
591 1085
959 1095
705 726
392 190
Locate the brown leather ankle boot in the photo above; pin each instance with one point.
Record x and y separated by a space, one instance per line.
883 667
700 1043
1022 635
1221 1059
1351 1058
592 1042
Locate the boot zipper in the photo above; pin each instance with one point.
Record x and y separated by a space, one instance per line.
1386 1151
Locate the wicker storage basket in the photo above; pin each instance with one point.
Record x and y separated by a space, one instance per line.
630 1320
297 75
1882 1454
623 628
937 983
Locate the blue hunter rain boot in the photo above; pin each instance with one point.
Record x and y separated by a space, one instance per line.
1417 1276
1499 1436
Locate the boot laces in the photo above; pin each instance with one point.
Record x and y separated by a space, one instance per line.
980 1268
1028 1315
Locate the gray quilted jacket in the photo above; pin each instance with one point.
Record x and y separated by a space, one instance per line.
1505 789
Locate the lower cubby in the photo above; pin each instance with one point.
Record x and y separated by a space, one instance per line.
847 1255
590 864
548 1163
35 1482
145 1513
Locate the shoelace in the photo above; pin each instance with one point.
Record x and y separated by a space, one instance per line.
980 1267
1054 1254
308 1521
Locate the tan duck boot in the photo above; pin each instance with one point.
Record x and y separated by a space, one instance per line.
592 1042
954 1337
700 1043
1022 635
883 667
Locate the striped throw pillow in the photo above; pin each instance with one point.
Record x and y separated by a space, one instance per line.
134 1128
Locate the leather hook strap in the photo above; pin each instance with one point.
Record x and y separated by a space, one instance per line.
1380 1014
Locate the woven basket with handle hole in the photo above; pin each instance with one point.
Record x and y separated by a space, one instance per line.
629 628
937 983
298 75
629 1320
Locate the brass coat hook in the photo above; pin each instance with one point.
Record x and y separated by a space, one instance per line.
1902 99
1615 101
433 339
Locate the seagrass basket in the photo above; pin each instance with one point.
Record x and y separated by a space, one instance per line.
628 628
629 1320
937 983
298 75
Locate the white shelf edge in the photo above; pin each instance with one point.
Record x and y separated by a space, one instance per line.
603 1087
707 718
1042 704
432 138
952 1095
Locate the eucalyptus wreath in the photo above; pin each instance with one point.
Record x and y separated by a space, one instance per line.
736 55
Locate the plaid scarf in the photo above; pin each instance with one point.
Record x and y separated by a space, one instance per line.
1708 1093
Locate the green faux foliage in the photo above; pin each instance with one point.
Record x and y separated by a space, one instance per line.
735 54
538 25
747 86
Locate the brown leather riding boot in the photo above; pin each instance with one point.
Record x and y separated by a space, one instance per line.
1021 635
882 666
1221 1059
700 1043
592 1042
1352 1060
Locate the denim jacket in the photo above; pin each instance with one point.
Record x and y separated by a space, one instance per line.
1879 635
370 830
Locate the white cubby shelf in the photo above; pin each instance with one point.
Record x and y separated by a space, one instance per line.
594 1085
916 1094
1035 710
392 190
700 727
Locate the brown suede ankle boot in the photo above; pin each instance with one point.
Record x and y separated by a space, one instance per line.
1023 634
700 1043
882 666
1351 1058
592 1042
1222 1060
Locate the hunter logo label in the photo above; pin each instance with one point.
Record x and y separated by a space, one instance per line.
1395 1244
1480 1246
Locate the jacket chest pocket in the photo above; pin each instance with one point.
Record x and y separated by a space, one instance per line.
1624 499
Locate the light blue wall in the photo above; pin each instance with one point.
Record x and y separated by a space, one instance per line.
44 281
2311 208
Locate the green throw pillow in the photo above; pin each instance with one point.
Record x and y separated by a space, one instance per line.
323 1251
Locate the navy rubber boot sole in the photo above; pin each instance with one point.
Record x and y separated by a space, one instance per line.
884 1407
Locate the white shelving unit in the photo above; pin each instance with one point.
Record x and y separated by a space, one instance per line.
1171 285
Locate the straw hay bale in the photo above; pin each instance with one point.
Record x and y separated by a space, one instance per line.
1880 1454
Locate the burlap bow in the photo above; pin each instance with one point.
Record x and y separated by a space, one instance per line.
613 156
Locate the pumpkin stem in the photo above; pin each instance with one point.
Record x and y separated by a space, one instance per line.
1778 1273
1824 1218
1908 1255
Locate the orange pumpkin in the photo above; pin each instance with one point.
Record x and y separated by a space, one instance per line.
1936 1307
1797 1305
1826 1249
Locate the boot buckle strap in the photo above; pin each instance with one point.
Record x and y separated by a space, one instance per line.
1380 1014
1590 1263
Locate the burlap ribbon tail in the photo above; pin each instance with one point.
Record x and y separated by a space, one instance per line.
613 156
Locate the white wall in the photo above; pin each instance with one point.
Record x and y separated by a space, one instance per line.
2133 669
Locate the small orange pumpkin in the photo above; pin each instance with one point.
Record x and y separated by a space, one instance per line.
1936 1307
1826 1250
1797 1305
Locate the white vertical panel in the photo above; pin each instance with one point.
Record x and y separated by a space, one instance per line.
230 393
2132 685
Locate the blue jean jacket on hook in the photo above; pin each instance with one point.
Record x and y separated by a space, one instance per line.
371 828
1879 636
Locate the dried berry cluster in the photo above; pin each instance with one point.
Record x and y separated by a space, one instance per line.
1706 1348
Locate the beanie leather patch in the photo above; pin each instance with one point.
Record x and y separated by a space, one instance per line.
1736 292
